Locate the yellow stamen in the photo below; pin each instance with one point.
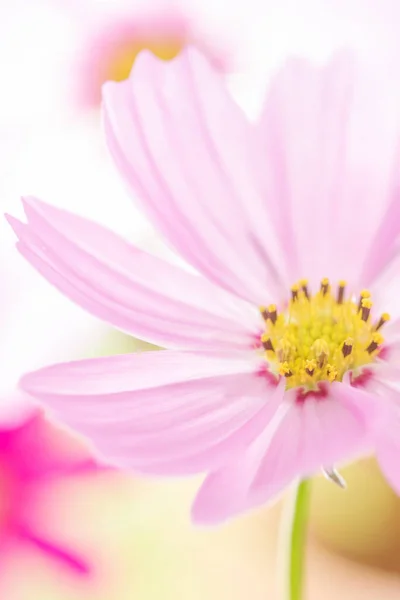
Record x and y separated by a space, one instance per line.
295 292
341 288
384 319
310 366
363 295
284 370
267 343
347 347
366 305
366 302
324 286
272 313
304 286
377 340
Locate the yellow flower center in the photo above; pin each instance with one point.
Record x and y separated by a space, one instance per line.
319 337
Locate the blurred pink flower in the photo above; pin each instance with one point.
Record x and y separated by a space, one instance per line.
75 45
112 35
267 376
234 35
32 455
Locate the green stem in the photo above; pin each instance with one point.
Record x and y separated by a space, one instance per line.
295 534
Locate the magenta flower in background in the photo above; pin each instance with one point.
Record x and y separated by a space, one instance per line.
281 357
34 454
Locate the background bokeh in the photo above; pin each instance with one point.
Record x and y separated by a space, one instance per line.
134 534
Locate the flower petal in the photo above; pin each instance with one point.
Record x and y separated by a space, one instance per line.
159 412
384 245
320 432
331 187
186 149
224 492
388 451
386 431
129 288
304 143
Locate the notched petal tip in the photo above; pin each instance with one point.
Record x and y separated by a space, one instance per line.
16 225
29 204
147 66
34 206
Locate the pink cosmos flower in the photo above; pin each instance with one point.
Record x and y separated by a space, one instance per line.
280 358
32 455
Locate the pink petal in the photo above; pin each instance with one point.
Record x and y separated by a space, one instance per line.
384 245
329 185
308 436
392 330
304 152
129 288
186 149
159 412
386 431
386 370
388 450
391 360
319 433
224 492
